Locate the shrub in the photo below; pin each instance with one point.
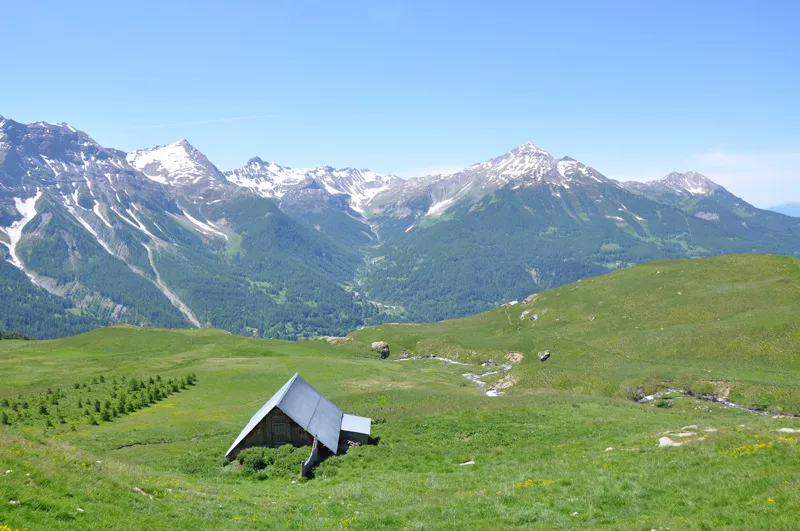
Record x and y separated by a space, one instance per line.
266 463
256 458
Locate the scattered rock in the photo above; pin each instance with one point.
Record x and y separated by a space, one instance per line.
685 434
13 502
787 430
690 427
666 441
9 471
503 383
382 348
574 514
543 356
710 430
535 317
405 355
609 449
466 463
515 357
80 510
137 490
530 298
524 314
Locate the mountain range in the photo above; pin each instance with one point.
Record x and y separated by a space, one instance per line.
162 237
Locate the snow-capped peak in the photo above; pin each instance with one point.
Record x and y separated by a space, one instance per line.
529 149
178 163
272 180
524 160
690 182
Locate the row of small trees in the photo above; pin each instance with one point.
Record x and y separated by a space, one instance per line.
98 400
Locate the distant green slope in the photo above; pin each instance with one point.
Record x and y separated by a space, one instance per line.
513 242
731 320
32 311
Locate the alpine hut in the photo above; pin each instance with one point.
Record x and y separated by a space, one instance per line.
299 415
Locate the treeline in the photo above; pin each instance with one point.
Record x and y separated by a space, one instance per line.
33 312
4 334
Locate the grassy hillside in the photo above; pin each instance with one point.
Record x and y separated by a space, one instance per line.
715 323
563 448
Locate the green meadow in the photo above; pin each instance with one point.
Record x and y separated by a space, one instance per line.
566 446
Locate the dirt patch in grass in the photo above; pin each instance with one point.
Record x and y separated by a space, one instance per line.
515 357
378 384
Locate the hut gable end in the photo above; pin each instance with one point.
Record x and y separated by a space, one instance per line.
274 430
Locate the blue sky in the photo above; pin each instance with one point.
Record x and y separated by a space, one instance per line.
635 89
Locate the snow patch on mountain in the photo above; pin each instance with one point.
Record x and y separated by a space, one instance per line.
173 298
176 164
272 180
691 183
267 178
99 214
203 227
91 231
27 209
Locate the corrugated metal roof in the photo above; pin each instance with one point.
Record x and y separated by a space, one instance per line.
356 424
307 407
313 412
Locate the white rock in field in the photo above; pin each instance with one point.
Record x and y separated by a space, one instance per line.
787 430
666 441
382 348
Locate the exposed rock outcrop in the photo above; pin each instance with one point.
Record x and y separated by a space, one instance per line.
382 348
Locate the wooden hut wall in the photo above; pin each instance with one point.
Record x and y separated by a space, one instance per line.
276 429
